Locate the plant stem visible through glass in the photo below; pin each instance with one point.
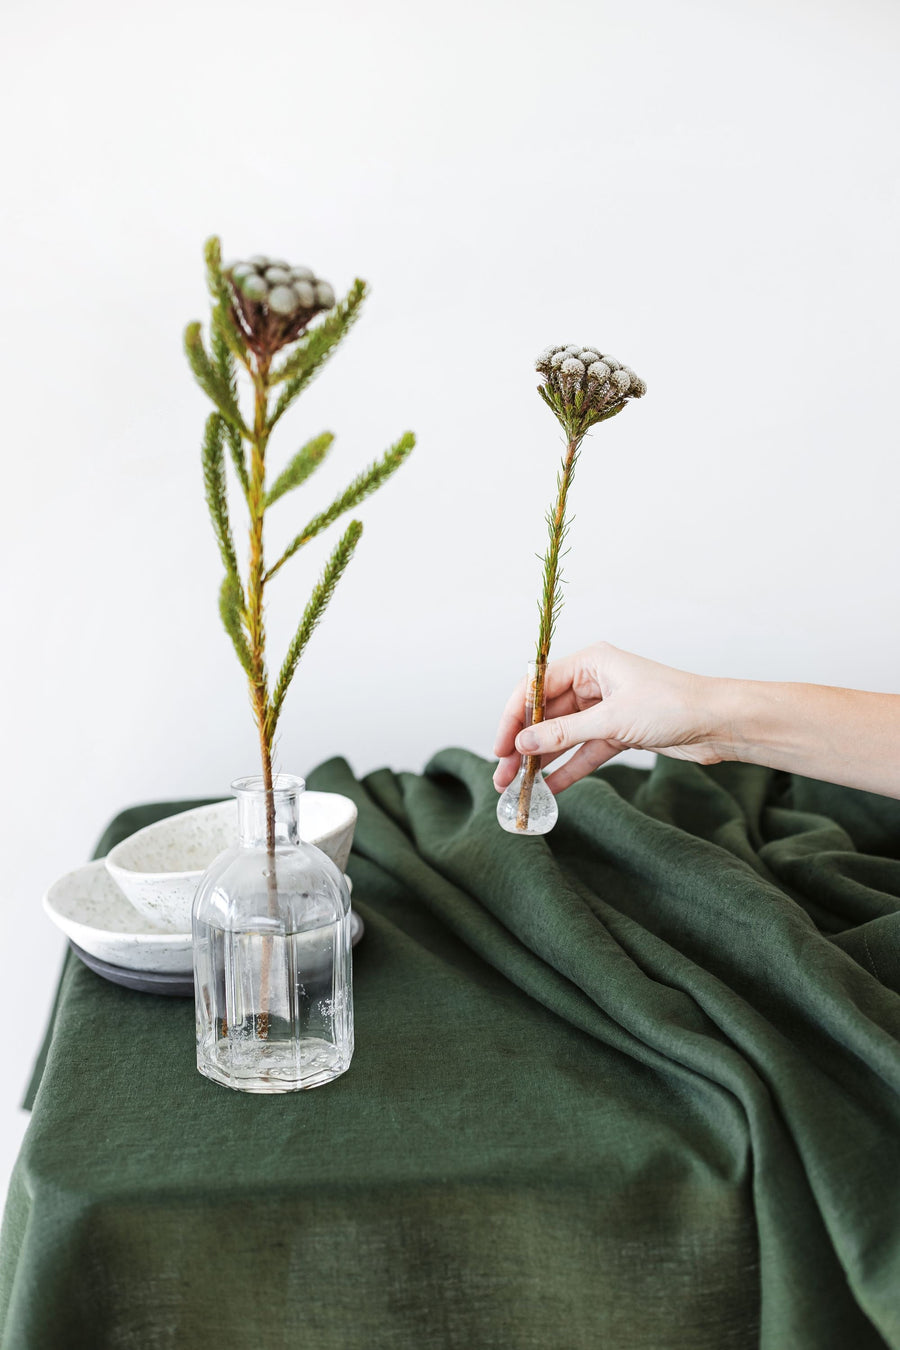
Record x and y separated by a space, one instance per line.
257 636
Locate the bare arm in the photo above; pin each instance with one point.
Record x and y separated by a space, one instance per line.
839 735
605 701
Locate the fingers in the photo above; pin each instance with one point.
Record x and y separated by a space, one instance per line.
509 766
591 755
559 702
511 722
506 771
513 718
568 722
561 673
556 734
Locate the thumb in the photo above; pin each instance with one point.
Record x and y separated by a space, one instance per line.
559 733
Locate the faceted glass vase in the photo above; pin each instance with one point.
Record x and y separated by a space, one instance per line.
528 806
272 964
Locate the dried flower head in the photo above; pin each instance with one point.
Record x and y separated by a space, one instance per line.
542 363
572 366
273 302
584 387
570 375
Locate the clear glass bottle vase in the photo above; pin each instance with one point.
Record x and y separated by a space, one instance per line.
272 963
528 806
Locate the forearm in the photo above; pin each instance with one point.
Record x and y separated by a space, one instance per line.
839 735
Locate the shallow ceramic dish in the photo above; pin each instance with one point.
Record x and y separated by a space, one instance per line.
94 914
99 921
159 867
143 981
158 982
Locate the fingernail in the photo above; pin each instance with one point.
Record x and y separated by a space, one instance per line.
526 741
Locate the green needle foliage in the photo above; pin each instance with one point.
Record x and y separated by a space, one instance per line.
232 608
361 487
301 466
210 379
216 492
322 593
558 523
223 360
310 355
260 309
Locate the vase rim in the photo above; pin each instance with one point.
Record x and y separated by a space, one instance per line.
283 785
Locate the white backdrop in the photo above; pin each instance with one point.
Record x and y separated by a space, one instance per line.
709 191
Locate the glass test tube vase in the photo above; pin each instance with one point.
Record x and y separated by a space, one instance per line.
528 806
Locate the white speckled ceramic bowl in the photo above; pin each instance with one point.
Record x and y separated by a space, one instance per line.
91 910
159 867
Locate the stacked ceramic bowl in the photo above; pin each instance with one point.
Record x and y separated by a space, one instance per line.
128 915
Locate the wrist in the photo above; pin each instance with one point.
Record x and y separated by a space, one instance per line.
759 722
738 719
818 731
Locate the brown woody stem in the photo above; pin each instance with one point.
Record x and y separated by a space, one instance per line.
534 697
534 712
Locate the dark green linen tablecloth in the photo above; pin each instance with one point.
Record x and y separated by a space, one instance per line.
632 1087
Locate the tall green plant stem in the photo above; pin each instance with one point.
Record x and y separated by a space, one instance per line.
551 603
245 332
256 502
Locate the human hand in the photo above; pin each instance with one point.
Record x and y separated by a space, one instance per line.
606 701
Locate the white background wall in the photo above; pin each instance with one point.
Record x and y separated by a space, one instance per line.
709 191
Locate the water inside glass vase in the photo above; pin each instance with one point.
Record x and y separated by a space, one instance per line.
528 806
272 964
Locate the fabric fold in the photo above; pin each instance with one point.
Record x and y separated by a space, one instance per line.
635 1084
663 898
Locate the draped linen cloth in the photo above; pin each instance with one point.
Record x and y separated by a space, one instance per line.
634 1085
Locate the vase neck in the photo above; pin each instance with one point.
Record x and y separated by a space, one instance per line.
534 688
534 692
256 807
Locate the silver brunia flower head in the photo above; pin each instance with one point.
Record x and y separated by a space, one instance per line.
272 302
584 386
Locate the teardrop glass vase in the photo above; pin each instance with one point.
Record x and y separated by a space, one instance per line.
528 806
